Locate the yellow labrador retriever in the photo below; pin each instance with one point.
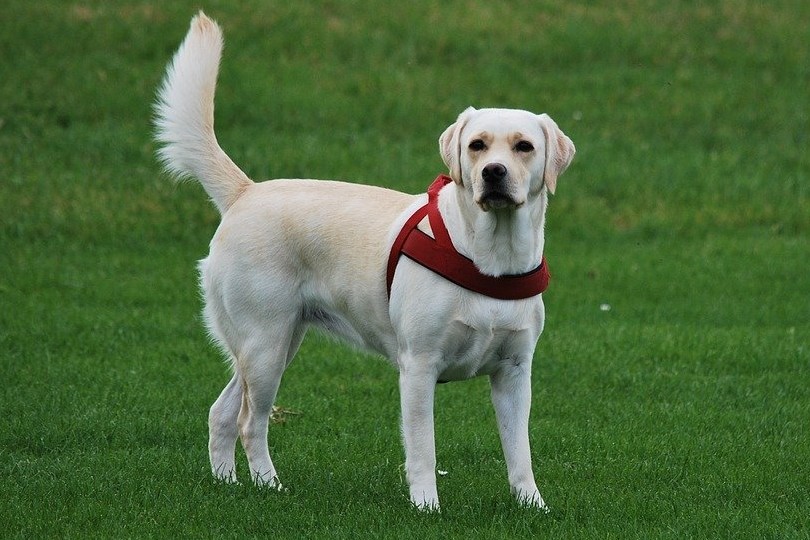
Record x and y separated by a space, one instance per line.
290 254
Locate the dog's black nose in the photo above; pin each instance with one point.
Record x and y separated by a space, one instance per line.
494 172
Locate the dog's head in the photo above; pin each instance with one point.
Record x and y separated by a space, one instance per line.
504 157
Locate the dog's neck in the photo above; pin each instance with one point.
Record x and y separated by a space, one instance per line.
499 242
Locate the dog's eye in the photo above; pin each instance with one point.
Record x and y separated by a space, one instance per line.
524 146
477 145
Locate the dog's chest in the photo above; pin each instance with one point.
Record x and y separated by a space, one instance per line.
480 345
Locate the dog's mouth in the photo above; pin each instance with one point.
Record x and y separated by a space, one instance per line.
496 200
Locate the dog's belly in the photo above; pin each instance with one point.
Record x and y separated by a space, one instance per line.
473 351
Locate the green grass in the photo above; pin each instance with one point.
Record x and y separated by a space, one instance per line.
680 412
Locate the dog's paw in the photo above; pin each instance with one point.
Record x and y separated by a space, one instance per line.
425 500
224 474
532 499
269 481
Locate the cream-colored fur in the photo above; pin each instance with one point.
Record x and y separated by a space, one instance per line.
290 254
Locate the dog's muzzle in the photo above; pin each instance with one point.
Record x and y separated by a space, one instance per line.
495 195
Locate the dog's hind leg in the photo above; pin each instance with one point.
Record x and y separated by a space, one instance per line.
261 367
223 430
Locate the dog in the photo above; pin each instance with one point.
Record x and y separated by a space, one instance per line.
292 254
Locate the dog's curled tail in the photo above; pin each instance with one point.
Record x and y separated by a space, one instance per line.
184 116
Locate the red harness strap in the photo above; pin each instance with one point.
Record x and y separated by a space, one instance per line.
438 255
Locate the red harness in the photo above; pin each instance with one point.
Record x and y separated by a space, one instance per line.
438 255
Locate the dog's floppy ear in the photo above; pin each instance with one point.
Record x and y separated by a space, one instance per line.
560 151
449 145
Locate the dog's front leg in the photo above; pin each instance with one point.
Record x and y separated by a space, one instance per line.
511 397
417 386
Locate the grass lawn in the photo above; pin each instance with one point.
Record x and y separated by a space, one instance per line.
671 386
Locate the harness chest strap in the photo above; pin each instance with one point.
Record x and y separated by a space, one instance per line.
438 255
